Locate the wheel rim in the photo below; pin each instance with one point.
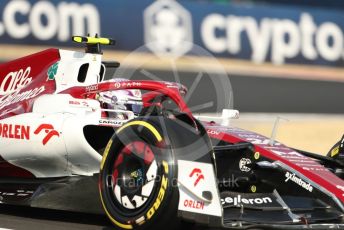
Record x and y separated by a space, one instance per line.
133 176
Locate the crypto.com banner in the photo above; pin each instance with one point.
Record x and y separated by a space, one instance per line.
258 33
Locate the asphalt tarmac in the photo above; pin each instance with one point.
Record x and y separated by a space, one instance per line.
26 218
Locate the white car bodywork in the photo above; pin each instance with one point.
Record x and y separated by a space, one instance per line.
69 153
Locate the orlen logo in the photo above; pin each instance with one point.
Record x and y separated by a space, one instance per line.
193 204
49 130
15 131
199 175
14 81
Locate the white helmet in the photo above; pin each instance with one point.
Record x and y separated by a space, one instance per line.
121 100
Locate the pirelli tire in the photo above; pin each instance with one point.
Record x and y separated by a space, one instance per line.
159 209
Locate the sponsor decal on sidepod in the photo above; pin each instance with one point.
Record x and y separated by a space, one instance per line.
49 130
11 85
12 131
20 132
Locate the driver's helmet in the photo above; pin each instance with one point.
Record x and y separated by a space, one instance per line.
121 101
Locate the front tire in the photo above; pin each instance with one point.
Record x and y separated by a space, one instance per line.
137 176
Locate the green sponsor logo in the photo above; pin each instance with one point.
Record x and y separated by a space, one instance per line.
52 71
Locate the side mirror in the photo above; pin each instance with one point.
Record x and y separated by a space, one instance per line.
228 114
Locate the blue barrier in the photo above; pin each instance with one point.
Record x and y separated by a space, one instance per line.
258 33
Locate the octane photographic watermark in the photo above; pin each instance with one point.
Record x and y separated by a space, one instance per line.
131 183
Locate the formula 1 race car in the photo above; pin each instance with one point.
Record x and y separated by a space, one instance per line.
72 140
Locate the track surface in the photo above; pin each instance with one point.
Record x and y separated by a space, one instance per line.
25 218
14 217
